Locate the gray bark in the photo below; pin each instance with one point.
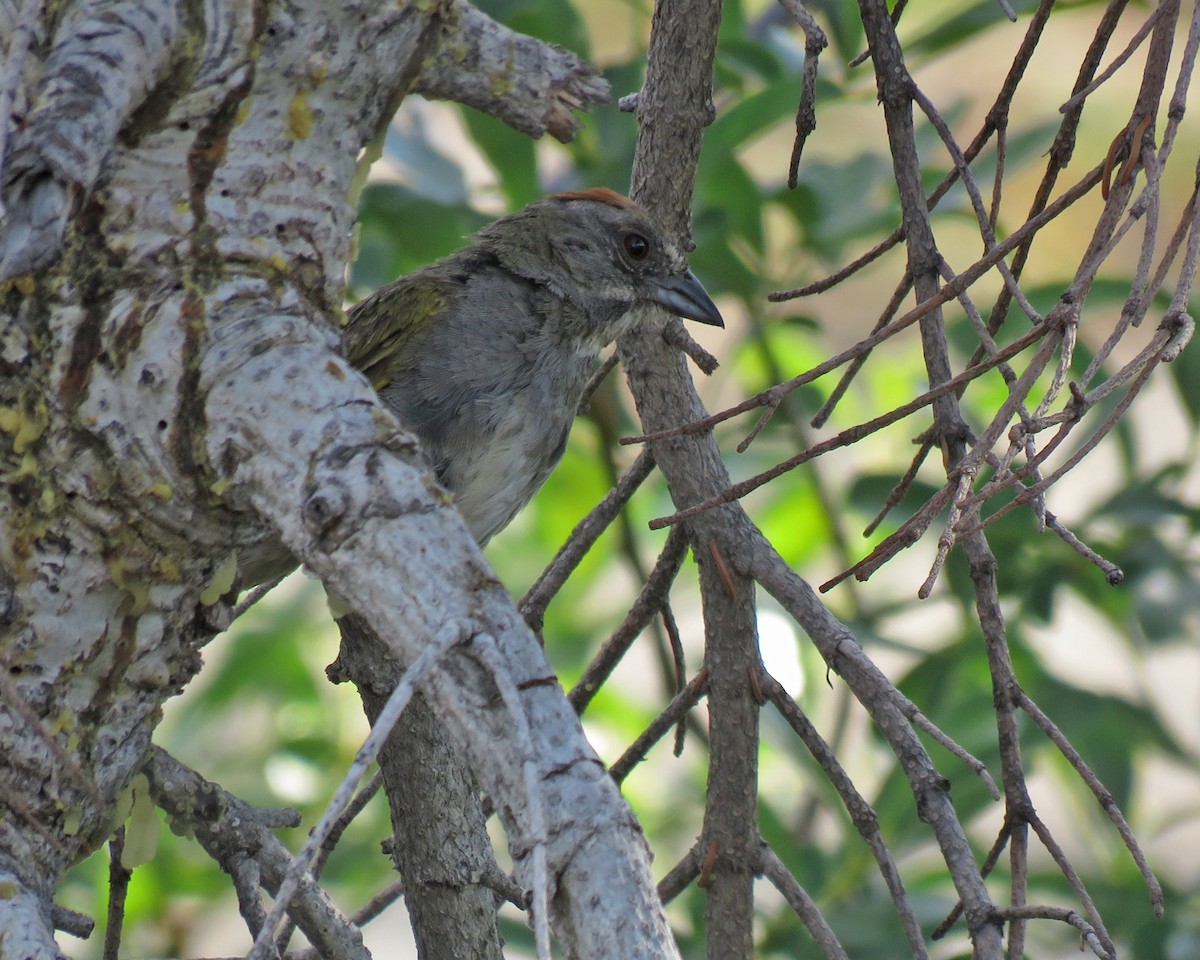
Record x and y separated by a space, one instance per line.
172 399
441 846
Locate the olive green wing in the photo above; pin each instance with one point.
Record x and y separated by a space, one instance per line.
383 330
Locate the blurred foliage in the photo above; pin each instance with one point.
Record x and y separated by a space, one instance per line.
264 722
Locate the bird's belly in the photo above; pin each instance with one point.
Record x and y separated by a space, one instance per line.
506 469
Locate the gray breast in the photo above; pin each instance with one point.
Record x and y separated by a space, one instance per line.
494 394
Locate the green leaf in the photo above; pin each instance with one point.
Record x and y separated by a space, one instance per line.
510 153
954 31
549 20
724 186
400 230
740 56
839 203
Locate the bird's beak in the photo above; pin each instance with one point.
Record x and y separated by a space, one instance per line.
686 297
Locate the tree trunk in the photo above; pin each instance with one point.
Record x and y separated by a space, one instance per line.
178 201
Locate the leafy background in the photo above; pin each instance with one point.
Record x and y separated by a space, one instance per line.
1117 668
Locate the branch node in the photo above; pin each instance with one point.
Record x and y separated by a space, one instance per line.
706 870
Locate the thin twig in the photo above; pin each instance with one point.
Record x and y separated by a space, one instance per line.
951 745
353 809
1188 268
902 538
985 869
668 646
78 925
897 10
853 434
896 494
1112 573
601 374
996 118
805 908
946 293
946 540
586 533
1118 61
859 809
680 663
680 875
806 118
649 601
676 334
1177 107
503 885
831 281
1099 791
822 415
1028 493
1068 871
1007 9
841 651
228 828
1037 912
253 596
378 903
981 215
118 889
687 698
453 634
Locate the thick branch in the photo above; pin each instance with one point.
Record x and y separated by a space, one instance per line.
674 107
232 832
106 58
532 86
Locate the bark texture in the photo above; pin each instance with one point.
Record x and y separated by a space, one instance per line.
441 846
172 400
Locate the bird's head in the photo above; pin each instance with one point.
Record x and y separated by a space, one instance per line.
603 252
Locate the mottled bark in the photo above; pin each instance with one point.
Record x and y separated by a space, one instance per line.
441 846
172 400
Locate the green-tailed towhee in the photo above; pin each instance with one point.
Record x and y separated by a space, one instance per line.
485 354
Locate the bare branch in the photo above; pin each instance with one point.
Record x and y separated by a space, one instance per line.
774 870
230 829
1086 931
652 598
679 876
118 889
1112 573
1099 791
806 118
587 532
946 293
860 811
534 87
452 634
671 714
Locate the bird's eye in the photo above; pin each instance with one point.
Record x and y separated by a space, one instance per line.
636 245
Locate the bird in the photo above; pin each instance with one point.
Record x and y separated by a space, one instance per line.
485 354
